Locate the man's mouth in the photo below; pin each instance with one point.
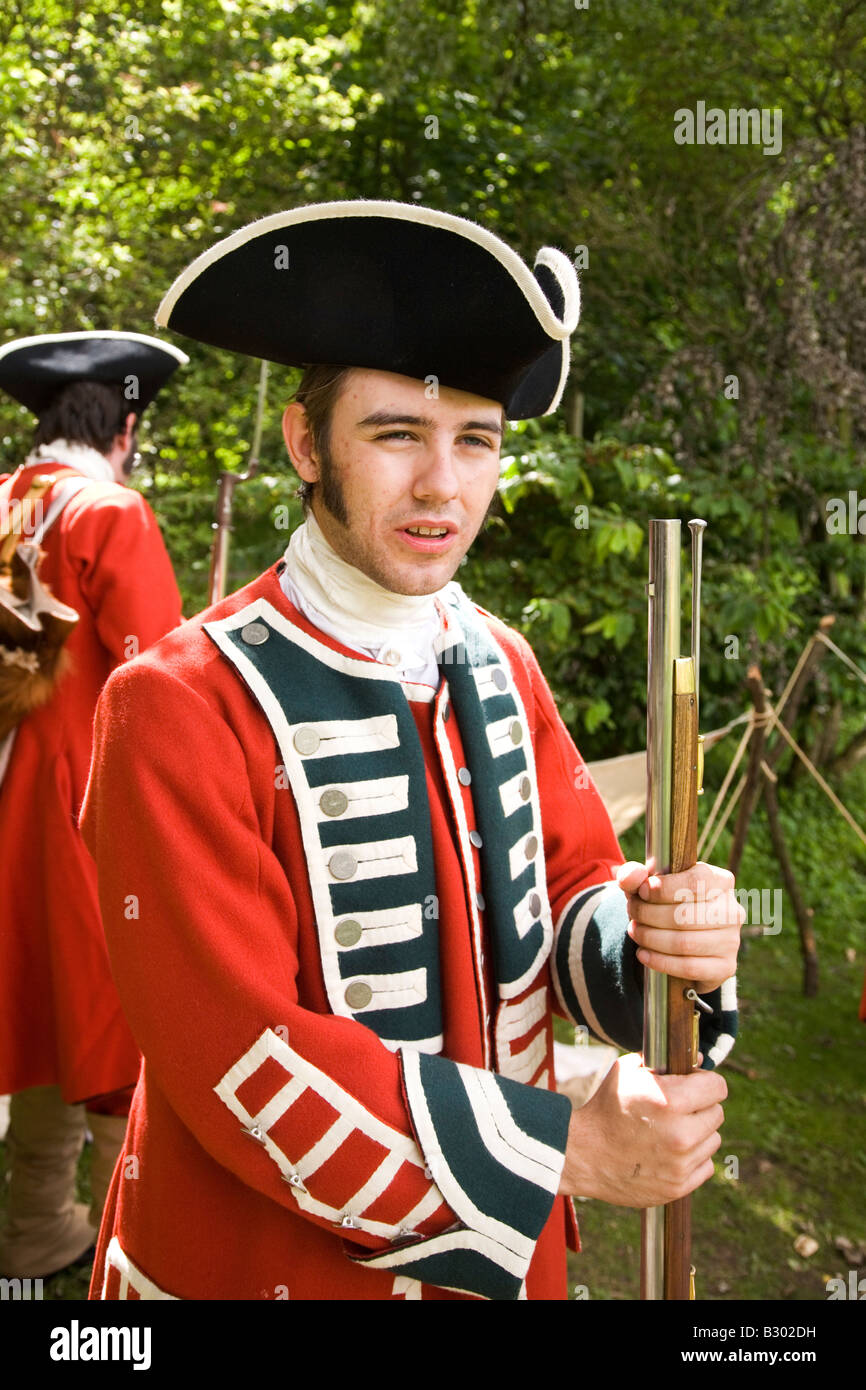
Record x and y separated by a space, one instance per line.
429 536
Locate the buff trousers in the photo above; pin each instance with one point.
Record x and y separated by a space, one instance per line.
46 1228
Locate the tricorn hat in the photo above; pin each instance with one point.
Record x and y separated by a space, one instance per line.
32 370
390 286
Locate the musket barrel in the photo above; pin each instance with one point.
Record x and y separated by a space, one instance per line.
663 649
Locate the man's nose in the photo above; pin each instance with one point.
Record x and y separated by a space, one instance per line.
437 479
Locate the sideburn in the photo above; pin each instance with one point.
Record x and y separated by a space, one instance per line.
333 498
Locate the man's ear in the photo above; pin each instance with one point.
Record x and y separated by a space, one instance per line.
130 425
299 442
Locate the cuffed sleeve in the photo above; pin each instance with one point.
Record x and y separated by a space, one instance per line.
496 1150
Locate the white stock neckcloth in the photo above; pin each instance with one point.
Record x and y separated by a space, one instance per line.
397 629
81 457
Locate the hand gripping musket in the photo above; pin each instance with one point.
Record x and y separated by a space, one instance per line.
674 774
219 560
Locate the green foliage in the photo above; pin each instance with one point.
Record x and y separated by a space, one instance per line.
134 136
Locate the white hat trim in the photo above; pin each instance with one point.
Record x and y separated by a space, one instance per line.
554 327
86 334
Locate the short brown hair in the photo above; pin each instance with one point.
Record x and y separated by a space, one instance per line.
318 392
84 412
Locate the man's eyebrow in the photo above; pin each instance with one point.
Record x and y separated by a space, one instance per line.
386 417
492 425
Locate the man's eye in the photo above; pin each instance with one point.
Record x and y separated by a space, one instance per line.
396 434
476 439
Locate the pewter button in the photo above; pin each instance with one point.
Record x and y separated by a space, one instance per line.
348 933
358 995
306 741
464 776
479 902
535 905
525 788
500 680
333 802
446 711
530 849
516 732
254 634
475 839
342 864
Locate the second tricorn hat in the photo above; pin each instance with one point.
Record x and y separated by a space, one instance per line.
33 370
390 286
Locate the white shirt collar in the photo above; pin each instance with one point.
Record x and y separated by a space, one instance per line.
398 629
81 457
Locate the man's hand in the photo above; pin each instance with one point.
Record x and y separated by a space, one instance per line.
685 924
644 1140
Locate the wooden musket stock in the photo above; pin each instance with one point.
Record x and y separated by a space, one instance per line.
673 781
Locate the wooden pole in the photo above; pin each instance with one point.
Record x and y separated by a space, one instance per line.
754 781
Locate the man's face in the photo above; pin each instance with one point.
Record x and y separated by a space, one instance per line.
399 461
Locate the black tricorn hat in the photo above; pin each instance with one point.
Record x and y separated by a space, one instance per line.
391 286
33 370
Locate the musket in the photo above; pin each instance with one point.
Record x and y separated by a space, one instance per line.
674 774
219 560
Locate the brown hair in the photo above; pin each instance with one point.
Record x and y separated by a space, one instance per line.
84 412
317 392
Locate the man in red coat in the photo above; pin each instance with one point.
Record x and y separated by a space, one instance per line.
367 862
63 1039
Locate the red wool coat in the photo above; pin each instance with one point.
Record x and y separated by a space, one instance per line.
60 1018
276 1150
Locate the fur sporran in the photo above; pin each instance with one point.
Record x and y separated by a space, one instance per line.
34 626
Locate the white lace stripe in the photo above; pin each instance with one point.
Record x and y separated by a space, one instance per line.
117 1258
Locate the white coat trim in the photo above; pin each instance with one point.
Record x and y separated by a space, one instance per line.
449 1241
406 1288
131 1276
509 794
399 990
376 858
352 1117
529 1158
522 1066
385 926
377 797
515 1020
382 730
455 795
499 734
514 1250
575 955
511 991
722 1046
339 736
554 327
